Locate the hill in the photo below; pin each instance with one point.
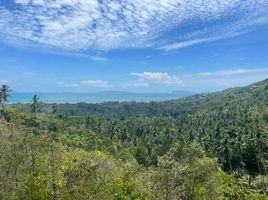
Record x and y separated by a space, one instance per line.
207 146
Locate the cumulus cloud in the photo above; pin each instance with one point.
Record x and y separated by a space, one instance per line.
202 81
111 24
160 78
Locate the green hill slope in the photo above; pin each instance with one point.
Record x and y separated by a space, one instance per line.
207 146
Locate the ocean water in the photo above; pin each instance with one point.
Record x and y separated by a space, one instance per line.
95 97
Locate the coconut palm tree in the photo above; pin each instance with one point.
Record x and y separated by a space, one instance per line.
4 95
35 104
238 142
1 102
225 149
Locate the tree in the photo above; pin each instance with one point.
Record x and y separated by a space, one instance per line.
35 104
4 95
225 150
184 177
239 141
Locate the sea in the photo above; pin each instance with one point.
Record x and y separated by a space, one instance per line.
98 97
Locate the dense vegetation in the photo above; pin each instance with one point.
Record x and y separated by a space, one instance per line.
208 146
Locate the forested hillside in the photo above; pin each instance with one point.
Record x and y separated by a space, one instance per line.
207 146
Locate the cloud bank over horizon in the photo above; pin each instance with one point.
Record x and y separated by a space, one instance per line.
96 25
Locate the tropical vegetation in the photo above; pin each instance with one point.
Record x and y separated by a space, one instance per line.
207 146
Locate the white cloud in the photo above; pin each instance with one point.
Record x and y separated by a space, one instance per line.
22 1
4 82
80 55
236 29
218 80
139 85
96 83
112 24
160 78
66 85
183 44
239 71
81 84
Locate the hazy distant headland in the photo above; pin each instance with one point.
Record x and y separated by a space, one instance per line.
97 97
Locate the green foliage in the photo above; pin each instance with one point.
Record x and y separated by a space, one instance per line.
265 115
236 189
208 146
36 167
184 177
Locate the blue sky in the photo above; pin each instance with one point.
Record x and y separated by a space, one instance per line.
127 45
